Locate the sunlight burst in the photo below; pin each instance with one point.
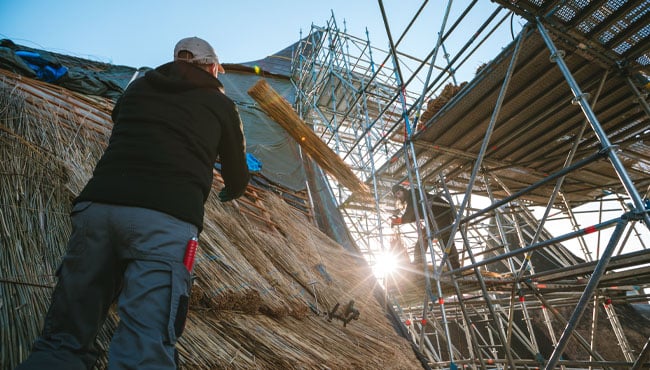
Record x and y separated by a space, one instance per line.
384 265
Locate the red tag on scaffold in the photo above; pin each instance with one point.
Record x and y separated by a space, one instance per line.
190 253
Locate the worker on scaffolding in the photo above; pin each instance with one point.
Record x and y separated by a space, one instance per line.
440 216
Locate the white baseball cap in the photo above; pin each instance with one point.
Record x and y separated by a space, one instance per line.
202 52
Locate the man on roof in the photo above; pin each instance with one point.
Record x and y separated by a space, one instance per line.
443 218
133 220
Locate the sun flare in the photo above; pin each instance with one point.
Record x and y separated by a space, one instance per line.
385 265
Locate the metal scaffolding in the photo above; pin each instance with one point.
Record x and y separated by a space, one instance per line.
553 126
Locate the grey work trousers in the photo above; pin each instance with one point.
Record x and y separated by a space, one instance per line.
131 254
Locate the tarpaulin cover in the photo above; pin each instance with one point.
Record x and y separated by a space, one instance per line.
76 74
277 155
265 139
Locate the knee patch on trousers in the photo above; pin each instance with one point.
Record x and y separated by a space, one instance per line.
180 300
181 315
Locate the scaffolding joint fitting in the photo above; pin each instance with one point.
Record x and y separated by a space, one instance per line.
558 54
636 214
576 99
606 149
639 215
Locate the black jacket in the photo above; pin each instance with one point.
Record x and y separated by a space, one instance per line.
169 128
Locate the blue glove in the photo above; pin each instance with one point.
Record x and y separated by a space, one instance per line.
224 195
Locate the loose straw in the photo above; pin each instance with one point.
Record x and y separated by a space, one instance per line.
278 109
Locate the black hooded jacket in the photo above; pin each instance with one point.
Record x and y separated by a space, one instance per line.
169 128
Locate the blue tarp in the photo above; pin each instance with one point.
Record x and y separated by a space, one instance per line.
45 69
254 165
77 74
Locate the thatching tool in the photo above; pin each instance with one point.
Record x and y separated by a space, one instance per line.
349 313
278 109
190 253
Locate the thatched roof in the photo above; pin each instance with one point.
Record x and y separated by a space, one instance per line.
265 275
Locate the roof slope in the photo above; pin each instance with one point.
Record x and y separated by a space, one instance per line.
265 276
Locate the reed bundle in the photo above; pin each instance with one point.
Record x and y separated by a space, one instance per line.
434 105
263 284
276 107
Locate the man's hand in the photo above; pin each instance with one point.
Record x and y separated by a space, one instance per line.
224 195
395 220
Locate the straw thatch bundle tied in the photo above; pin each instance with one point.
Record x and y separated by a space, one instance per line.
276 107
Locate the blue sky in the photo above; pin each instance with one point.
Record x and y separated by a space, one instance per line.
143 33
